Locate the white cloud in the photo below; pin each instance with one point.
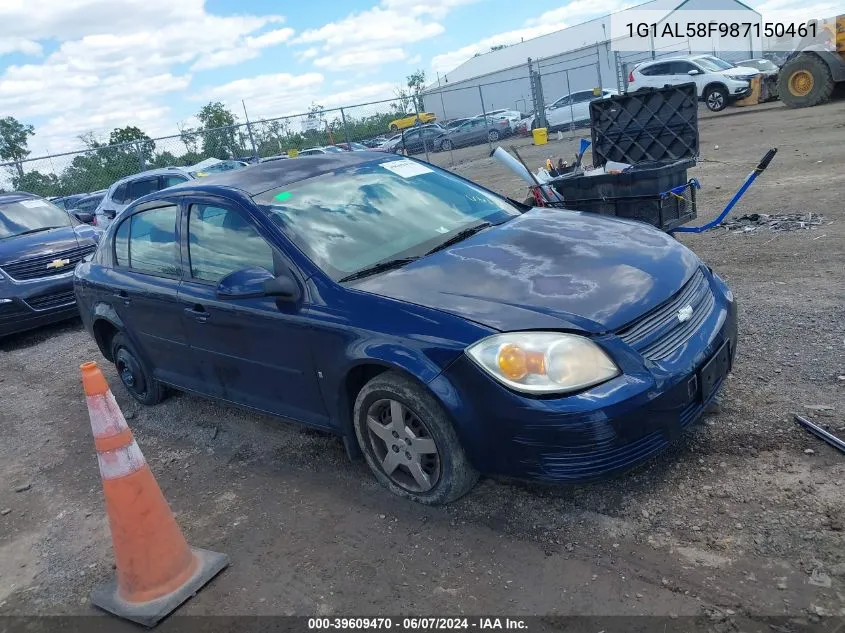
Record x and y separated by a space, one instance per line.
359 58
20 45
115 61
574 12
249 48
283 94
371 38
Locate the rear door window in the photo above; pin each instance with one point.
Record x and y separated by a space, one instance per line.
138 188
655 69
171 181
146 242
221 241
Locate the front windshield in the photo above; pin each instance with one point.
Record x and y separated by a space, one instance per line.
713 64
30 216
350 219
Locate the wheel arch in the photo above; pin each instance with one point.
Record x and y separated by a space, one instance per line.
714 84
105 325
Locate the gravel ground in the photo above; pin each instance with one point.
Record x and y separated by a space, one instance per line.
743 518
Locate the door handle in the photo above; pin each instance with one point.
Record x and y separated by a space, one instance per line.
198 312
123 296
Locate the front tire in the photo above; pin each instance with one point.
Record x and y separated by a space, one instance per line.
716 98
134 375
805 81
409 442
493 136
446 145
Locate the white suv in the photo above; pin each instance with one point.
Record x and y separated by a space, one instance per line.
571 109
126 190
718 82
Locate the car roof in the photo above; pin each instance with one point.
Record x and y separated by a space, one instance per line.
263 177
16 196
158 171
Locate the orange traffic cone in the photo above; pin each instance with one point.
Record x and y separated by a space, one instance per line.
156 569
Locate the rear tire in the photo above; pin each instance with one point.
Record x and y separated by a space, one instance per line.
409 442
446 145
716 98
136 378
394 127
805 81
493 136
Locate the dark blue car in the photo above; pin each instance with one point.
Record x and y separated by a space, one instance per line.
39 246
440 329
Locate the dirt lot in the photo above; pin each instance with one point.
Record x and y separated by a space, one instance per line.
743 518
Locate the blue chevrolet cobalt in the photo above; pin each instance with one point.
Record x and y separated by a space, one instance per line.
439 329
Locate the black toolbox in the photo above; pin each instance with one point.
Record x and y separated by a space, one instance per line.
656 131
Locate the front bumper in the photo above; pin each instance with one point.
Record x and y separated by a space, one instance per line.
28 305
600 432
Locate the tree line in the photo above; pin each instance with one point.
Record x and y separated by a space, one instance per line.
128 149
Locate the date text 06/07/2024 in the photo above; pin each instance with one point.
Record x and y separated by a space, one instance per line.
417 623
683 30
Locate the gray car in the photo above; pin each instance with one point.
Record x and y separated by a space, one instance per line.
473 132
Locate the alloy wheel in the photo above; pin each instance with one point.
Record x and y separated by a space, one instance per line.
715 100
403 446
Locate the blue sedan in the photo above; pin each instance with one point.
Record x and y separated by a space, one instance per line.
443 331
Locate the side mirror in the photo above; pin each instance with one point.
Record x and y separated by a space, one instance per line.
693 72
252 283
84 216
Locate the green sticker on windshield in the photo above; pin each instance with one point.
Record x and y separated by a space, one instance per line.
283 196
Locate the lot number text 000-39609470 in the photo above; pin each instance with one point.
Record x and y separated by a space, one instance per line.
683 30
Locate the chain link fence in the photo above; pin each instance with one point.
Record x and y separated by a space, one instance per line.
439 125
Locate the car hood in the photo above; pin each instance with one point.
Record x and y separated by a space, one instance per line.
741 71
548 268
14 249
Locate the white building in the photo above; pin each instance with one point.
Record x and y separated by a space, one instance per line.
580 57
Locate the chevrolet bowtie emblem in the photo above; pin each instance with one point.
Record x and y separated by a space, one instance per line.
58 263
685 313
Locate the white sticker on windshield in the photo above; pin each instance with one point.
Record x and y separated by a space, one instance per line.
32 204
406 168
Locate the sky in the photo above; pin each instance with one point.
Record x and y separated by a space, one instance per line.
70 67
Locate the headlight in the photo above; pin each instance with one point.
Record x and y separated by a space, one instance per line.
543 362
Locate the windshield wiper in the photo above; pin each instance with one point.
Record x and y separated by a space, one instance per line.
460 236
43 228
388 264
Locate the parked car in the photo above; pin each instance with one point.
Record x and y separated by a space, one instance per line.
472 132
513 116
353 147
420 139
455 122
569 109
372 143
765 66
314 151
393 144
40 244
270 159
410 119
440 329
718 82
83 208
217 167
126 190
66 202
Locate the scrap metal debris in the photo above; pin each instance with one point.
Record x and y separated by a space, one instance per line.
774 222
820 432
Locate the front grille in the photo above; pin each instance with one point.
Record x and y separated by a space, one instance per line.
660 332
52 300
37 267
